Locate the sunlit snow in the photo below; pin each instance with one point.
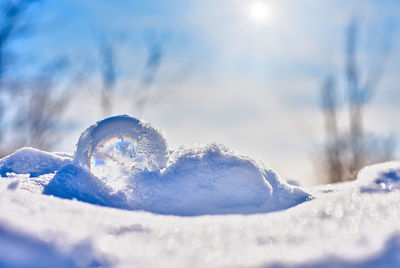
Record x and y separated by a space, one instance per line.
59 210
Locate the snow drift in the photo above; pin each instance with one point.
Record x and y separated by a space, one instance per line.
383 177
344 227
202 180
189 181
352 224
33 162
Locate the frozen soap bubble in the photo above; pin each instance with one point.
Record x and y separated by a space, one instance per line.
116 158
117 148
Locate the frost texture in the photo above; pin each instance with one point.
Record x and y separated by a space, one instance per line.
33 162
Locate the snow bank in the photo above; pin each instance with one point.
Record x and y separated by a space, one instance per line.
138 172
212 180
383 177
343 228
196 181
352 224
76 182
33 162
122 162
201 180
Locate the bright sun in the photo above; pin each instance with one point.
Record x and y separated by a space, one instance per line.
259 12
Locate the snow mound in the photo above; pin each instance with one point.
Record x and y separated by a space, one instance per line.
203 180
384 177
75 182
121 162
33 162
212 180
197 181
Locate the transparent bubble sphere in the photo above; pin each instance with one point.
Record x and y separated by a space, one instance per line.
116 158
117 148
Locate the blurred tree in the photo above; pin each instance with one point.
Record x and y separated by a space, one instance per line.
30 105
345 153
153 62
108 74
140 94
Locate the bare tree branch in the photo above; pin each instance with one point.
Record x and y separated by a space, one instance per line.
108 74
346 152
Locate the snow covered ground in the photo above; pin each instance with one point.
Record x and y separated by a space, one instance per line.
205 207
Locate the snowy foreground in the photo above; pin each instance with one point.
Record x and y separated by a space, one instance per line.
205 207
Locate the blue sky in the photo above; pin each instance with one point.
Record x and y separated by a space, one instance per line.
224 77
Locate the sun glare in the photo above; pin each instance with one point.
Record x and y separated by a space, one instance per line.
259 12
